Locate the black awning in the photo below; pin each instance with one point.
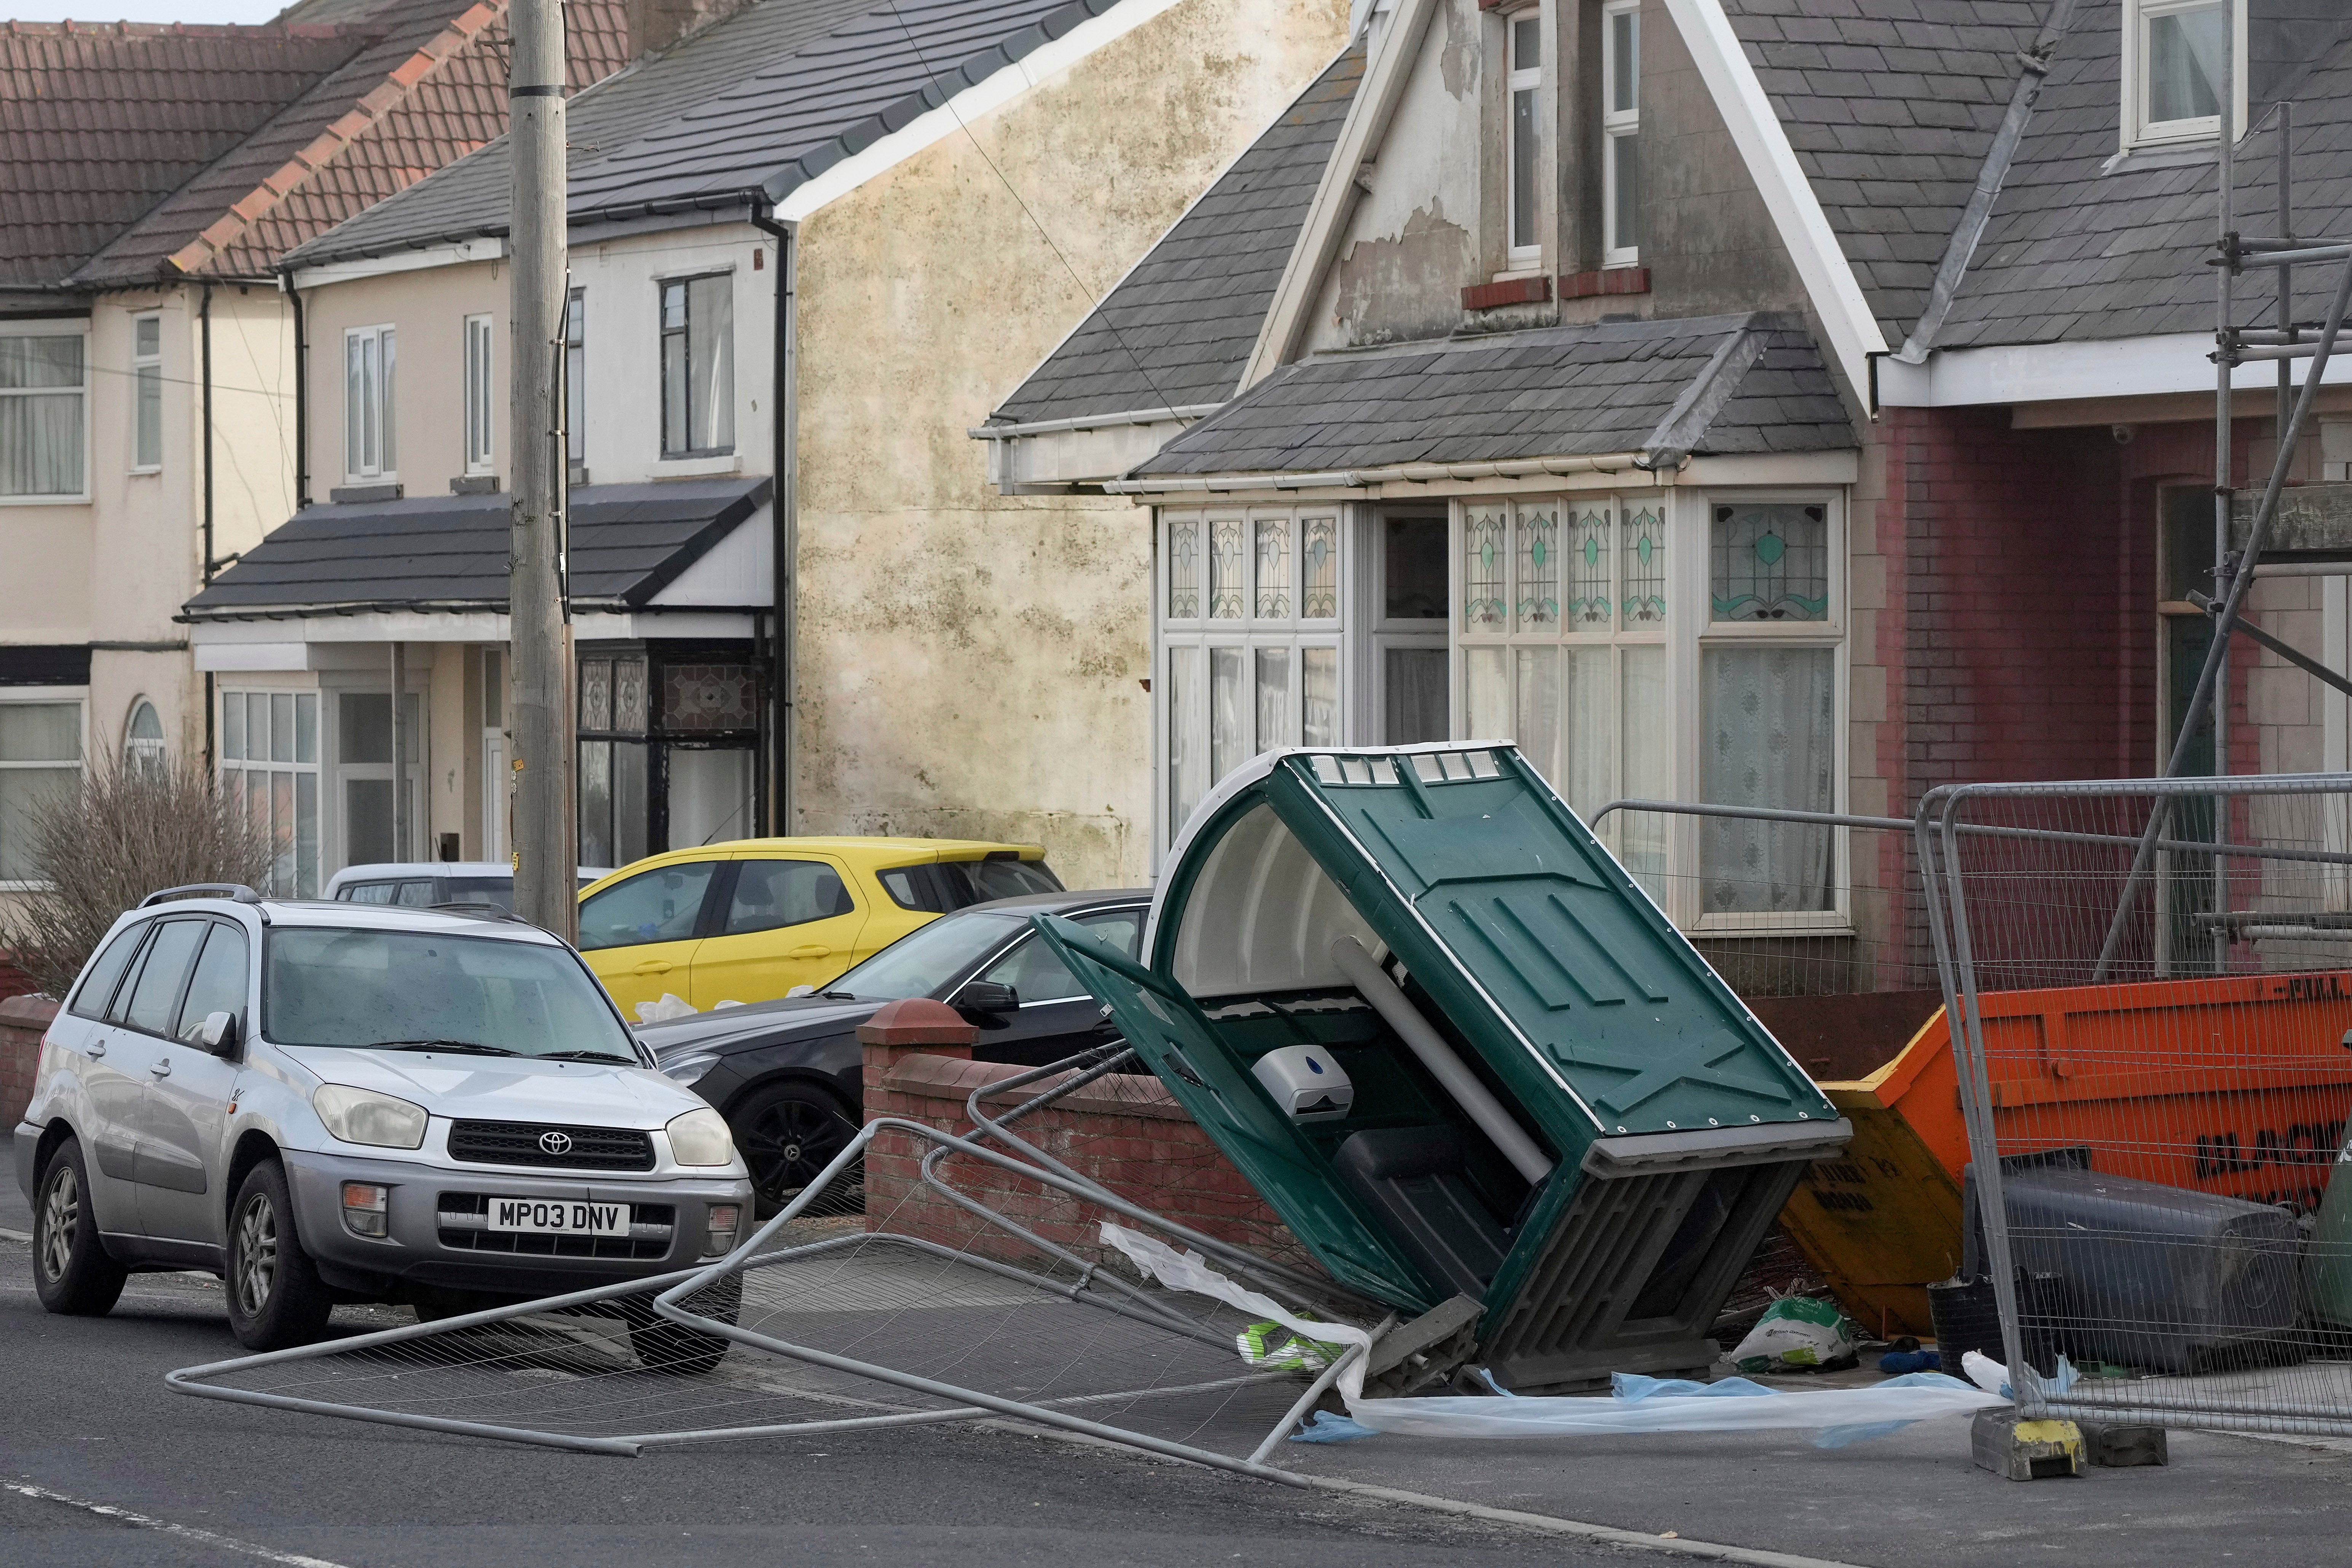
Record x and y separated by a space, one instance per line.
450 553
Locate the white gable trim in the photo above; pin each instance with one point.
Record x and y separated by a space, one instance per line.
1394 50
487 247
1056 55
2047 373
1795 211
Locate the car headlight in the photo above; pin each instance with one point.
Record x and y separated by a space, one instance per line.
687 1070
700 1138
363 1115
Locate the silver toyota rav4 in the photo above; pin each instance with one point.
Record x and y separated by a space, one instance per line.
325 1102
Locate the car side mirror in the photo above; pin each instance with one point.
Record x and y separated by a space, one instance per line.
988 998
218 1034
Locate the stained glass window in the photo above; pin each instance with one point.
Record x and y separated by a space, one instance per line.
1645 567
1274 727
1318 552
705 697
1772 562
1483 547
1274 569
1539 594
595 694
1225 569
1588 569
1184 569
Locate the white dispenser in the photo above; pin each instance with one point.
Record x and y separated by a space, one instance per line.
1307 1081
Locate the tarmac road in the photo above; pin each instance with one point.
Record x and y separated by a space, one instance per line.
91 1425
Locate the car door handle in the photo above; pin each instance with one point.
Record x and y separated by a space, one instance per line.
160 1066
811 950
97 1048
652 967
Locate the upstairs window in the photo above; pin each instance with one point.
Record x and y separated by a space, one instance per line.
697 366
1526 86
575 373
2172 70
479 395
1620 127
146 394
369 448
44 390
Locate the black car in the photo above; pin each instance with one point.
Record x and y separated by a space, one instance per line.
787 1074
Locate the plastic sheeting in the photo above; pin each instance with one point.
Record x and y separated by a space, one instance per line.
1636 1403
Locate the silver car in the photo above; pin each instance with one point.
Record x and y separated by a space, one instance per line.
325 1102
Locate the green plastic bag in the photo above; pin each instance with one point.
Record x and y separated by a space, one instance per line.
1797 1332
1271 1347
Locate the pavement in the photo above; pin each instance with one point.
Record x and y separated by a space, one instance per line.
101 1463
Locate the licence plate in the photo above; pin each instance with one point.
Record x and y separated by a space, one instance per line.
558 1215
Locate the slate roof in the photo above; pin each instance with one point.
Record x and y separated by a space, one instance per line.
1717 385
628 543
761 101
151 152
100 120
1891 107
1178 329
2075 251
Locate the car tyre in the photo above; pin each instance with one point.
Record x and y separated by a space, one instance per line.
674 1349
276 1297
788 1132
71 1272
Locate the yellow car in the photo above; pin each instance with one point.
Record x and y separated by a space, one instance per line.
749 920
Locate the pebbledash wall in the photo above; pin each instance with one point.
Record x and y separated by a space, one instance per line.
1125 1131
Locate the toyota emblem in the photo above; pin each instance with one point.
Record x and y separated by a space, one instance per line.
555 1142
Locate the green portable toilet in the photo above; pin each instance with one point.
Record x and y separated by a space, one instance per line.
1557 1108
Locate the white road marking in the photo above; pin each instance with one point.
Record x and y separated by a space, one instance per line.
13 1236
184 1532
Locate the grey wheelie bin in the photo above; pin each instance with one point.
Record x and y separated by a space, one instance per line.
1461 1053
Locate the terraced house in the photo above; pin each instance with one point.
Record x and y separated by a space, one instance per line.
152 178
809 244
1751 402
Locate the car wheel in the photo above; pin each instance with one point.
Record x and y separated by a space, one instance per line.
674 1349
71 1272
276 1297
788 1132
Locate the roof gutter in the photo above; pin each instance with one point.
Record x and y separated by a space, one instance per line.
1187 413
1365 478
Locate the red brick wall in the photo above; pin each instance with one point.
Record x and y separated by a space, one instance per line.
1125 1131
22 1020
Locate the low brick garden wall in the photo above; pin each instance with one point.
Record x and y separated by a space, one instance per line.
1124 1130
23 1021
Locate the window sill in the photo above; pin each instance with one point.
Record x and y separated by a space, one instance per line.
361 492
1611 279
81 500
1817 923
1533 289
699 465
149 472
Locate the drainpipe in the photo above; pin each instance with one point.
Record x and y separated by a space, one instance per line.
205 320
787 520
301 395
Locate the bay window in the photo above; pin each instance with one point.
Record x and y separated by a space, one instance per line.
269 770
40 757
44 411
1648 646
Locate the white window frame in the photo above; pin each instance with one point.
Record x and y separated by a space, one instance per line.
379 417
1617 124
1689 630
575 375
1519 257
237 741
146 371
480 395
2138 131
1188 639
76 695
146 752
79 328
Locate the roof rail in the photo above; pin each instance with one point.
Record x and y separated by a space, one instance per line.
237 891
482 907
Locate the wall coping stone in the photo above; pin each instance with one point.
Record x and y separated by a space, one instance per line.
1115 1094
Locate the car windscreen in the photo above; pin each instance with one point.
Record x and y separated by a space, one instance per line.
926 958
328 986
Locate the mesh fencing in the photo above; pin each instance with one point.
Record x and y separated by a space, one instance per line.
2154 984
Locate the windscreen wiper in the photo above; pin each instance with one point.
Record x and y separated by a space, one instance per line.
466 1048
587 1057
838 996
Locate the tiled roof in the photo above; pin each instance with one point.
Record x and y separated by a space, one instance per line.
764 100
627 544
1712 385
428 90
2076 249
1178 329
1891 107
98 122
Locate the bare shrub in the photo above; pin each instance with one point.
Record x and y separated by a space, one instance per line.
130 827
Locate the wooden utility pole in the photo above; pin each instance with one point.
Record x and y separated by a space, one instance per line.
545 855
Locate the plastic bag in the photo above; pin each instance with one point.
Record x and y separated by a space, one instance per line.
1272 1347
1637 1404
662 1012
1797 1331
